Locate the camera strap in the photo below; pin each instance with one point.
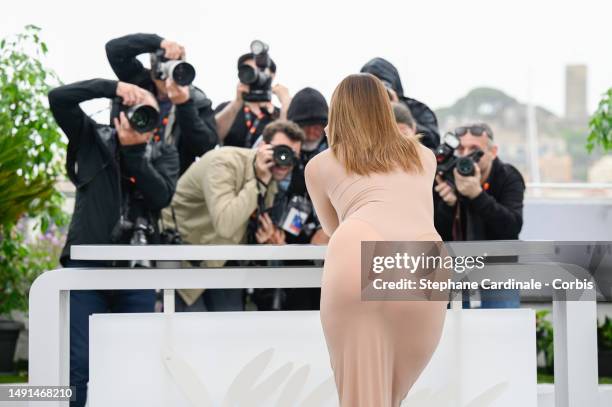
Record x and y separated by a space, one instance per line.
117 158
168 125
161 219
259 180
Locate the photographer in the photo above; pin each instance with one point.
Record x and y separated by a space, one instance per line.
241 121
486 205
427 123
187 119
404 119
223 193
309 110
119 175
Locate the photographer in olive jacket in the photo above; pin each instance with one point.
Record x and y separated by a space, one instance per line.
225 192
187 119
122 178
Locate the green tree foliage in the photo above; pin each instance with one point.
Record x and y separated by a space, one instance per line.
31 160
601 125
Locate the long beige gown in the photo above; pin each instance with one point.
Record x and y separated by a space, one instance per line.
377 348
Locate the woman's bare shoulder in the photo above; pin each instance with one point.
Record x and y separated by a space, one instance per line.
427 156
321 159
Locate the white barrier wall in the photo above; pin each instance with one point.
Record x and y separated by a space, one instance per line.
548 219
280 359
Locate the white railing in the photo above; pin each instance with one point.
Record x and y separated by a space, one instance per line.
575 340
569 185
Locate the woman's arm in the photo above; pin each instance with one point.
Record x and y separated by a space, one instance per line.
325 211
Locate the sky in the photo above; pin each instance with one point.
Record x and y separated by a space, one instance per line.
442 49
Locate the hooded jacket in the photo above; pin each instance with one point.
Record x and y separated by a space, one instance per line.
427 123
308 106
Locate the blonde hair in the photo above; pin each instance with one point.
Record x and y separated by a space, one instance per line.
362 131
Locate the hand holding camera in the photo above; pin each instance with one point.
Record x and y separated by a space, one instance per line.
172 49
278 237
264 160
127 135
176 93
468 186
136 118
168 63
446 192
267 232
282 93
241 90
131 94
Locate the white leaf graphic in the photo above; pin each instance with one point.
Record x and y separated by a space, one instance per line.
293 387
186 379
323 392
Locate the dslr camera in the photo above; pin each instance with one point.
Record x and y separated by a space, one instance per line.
284 156
181 72
136 224
447 160
258 78
142 118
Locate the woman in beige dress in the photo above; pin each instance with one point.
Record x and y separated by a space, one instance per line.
372 184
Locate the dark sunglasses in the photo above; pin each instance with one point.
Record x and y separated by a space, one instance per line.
474 130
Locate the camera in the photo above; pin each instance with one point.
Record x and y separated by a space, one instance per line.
259 81
181 72
284 156
447 160
170 236
142 118
137 231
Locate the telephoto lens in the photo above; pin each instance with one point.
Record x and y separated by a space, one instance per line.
247 74
142 118
283 156
466 165
181 72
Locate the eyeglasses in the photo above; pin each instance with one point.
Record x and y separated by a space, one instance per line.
475 130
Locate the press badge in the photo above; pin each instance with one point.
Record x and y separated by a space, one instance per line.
295 215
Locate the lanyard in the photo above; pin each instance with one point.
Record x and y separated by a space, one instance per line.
252 123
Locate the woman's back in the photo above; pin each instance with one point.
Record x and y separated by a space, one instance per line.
373 184
399 205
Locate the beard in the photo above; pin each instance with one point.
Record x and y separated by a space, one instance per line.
311 145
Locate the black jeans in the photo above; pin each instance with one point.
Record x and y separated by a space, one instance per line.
83 303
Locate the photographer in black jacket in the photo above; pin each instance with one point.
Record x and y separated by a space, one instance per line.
187 117
487 205
241 122
427 123
309 110
116 171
